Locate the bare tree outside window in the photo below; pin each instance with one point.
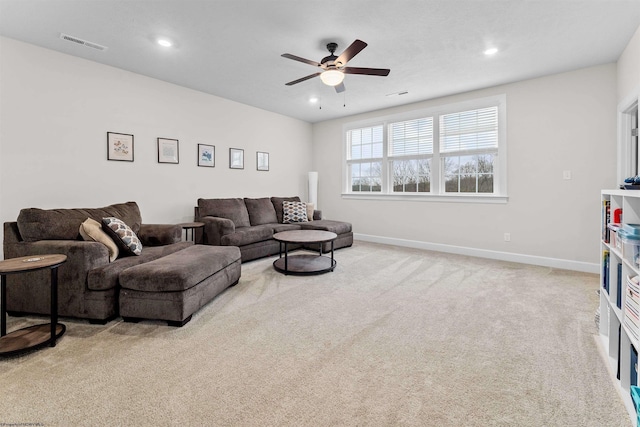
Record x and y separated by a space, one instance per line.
469 174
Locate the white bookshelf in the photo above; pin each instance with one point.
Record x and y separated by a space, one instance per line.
616 337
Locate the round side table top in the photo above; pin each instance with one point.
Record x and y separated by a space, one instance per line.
305 236
33 262
191 224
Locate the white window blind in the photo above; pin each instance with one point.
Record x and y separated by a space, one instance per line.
366 143
448 152
411 138
469 130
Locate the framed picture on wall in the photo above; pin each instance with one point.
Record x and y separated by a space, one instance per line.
236 158
119 147
168 151
206 155
262 161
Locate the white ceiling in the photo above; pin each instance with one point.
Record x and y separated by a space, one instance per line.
232 48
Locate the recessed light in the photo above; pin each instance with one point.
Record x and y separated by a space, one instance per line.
313 99
491 51
165 43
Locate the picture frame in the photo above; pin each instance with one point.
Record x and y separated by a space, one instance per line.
119 147
236 158
168 151
262 161
206 155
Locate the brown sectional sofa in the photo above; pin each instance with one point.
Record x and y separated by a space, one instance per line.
250 225
89 285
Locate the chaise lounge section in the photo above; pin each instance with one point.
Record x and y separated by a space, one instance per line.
251 223
90 282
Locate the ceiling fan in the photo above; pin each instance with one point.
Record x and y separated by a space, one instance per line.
334 67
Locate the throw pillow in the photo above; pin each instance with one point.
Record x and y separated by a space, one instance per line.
294 212
123 235
91 231
310 209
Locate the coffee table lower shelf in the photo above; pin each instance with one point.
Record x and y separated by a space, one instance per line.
29 338
304 264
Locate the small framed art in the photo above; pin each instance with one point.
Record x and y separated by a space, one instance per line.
236 158
168 151
262 161
119 146
206 155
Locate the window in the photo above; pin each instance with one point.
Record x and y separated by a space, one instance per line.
410 153
365 162
468 145
455 150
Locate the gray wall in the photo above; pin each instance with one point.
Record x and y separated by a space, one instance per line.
556 123
56 109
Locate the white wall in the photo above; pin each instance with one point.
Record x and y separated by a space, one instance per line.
555 123
55 112
629 69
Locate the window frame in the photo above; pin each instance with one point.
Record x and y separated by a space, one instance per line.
437 184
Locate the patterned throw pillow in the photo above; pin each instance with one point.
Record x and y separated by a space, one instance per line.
294 212
124 236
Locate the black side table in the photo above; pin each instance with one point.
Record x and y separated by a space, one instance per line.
186 226
36 336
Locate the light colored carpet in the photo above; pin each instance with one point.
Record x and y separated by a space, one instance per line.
394 336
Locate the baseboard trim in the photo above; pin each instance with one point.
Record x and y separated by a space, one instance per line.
564 264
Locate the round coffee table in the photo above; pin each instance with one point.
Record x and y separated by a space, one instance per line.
31 337
304 264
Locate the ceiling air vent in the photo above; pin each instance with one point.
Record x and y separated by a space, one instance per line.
82 42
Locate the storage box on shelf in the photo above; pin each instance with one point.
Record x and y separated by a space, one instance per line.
620 288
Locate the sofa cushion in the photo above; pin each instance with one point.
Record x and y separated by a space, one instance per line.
106 277
179 271
277 228
233 209
64 224
123 235
338 227
294 212
245 235
277 205
260 211
91 231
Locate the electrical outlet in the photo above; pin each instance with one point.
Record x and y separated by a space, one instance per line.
507 237
566 174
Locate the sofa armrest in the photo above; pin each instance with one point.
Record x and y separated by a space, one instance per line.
215 228
159 234
82 257
317 215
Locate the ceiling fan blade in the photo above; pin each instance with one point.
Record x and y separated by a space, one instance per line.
340 88
350 52
367 71
297 58
310 76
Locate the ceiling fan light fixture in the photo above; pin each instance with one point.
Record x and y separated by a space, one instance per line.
332 77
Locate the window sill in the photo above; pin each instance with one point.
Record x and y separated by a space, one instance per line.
454 198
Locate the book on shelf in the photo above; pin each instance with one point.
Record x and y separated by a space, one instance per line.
606 219
605 270
619 286
633 371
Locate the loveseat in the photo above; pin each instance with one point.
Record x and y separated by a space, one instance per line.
250 224
88 283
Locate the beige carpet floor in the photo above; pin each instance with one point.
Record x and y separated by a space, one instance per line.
393 337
